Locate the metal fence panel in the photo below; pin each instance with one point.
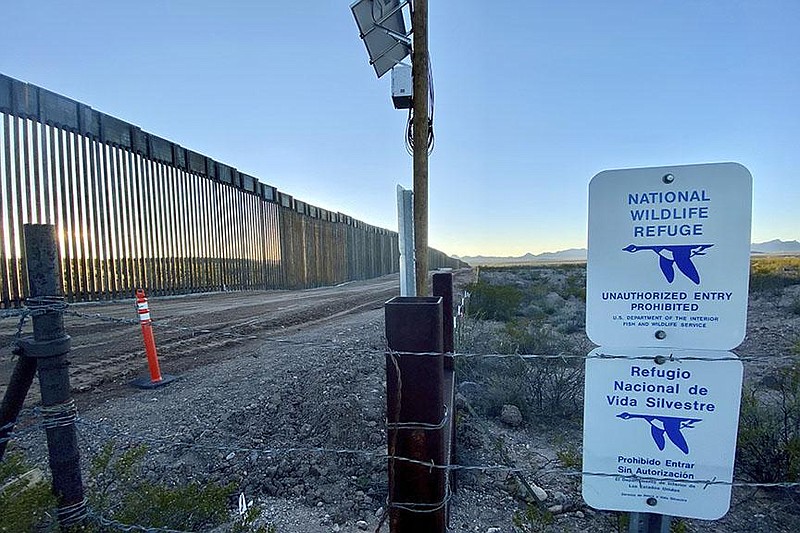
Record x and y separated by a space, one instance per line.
133 210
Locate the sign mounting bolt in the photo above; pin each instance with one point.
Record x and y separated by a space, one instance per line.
668 178
661 334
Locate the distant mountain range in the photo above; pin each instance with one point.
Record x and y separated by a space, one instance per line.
774 246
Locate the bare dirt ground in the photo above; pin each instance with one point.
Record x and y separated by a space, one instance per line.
191 330
283 394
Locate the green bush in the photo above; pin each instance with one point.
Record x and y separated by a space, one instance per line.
570 457
575 285
494 302
120 493
770 275
542 389
24 505
768 446
116 490
532 519
528 336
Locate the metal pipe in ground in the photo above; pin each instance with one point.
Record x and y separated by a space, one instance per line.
14 398
649 523
50 346
416 416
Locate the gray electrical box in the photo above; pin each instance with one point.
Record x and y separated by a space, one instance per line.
402 89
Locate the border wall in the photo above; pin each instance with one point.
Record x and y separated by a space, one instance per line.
134 210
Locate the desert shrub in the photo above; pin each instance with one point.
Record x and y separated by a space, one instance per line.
575 285
570 457
768 446
542 389
532 519
475 336
572 325
119 492
494 302
770 275
534 336
26 505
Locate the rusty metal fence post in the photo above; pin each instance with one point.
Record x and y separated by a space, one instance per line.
416 415
442 286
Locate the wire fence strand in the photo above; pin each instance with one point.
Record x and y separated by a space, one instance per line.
273 452
98 429
667 354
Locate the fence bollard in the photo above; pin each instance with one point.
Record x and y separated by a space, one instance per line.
416 414
156 379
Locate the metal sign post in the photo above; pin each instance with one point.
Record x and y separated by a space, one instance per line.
405 225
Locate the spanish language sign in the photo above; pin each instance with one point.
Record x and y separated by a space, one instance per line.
669 256
660 438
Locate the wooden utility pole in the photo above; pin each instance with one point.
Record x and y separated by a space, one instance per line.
419 72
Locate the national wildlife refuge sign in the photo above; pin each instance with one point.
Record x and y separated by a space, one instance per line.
669 252
667 285
658 433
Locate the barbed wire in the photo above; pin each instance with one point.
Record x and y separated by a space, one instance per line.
13 313
119 526
424 507
17 433
669 355
177 441
379 455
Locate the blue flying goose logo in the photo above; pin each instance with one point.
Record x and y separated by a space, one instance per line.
669 425
670 256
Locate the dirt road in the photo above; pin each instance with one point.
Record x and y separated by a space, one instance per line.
191 330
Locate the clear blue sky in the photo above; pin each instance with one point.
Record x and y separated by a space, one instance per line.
532 99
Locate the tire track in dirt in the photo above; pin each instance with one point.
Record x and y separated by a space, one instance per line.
106 355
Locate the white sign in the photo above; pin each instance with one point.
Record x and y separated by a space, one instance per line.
669 256
655 434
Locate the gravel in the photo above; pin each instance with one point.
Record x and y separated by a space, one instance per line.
298 424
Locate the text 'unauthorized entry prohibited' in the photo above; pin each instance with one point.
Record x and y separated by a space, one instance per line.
668 258
666 294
